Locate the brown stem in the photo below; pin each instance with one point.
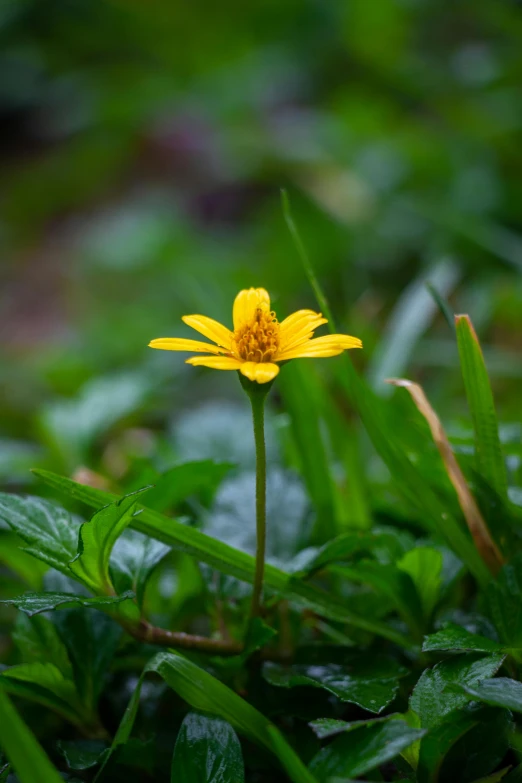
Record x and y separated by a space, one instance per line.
145 632
151 634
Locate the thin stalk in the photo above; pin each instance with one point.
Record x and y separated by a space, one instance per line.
257 401
151 634
257 393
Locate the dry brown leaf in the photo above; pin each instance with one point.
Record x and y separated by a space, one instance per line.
481 536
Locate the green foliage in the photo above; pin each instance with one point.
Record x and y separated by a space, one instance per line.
503 601
301 397
45 684
135 557
207 750
490 461
95 543
22 748
49 530
207 694
225 559
145 145
439 707
432 700
500 692
34 603
91 640
363 748
371 683
454 638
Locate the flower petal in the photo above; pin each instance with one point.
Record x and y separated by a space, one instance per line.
346 340
296 318
179 344
299 327
216 362
329 345
261 372
303 352
211 329
246 303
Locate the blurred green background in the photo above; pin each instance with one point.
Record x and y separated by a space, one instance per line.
144 147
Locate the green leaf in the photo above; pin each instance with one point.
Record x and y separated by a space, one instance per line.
329 727
50 531
363 749
133 560
394 584
424 565
386 546
477 750
432 700
207 751
370 681
182 481
408 480
228 560
30 762
82 754
34 603
504 603
38 641
453 638
45 684
488 451
91 639
86 754
439 741
300 390
96 540
204 692
259 635
498 692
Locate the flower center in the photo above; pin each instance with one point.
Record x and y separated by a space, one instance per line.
258 341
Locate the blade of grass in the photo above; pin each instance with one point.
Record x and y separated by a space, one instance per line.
489 458
349 447
300 390
21 747
442 305
309 270
225 558
384 437
476 524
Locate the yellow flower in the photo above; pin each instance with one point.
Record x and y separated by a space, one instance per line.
258 340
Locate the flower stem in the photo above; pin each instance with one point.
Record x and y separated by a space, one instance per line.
258 415
257 394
